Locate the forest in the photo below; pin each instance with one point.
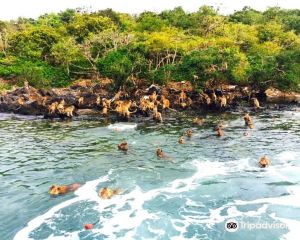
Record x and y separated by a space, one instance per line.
246 48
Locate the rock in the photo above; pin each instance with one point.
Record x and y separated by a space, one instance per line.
276 96
86 111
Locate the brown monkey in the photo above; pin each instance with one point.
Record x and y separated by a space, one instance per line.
256 103
223 101
181 140
264 162
160 153
189 133
107 193
157 115
69 111
165 102
80 100
123 146
220 132
60 106
63 189
198 121
52 107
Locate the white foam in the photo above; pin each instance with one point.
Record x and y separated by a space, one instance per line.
87 191
122 126
287 156
292 225
131 217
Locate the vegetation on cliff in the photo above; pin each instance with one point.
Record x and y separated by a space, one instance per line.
249 47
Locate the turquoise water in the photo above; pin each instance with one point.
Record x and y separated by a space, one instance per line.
190 195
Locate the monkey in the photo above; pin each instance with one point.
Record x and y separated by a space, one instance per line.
182 96
146 104
98 100
107 193
26 84
107 102
157 115
198 121
80 100
105 106
123 108
52 107
208 100
181 140
44 101
63 189
189 133
104 111
222 101
123 146
264 161
69 111
160 153
165 102
195 77
21 101
214 97
153 97
248 121
256 103
60 106
189 101
220 132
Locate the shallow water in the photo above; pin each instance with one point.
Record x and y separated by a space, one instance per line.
190 195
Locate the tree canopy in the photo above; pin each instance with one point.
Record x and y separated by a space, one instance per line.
248 47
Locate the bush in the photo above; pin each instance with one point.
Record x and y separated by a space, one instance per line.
116 65
38 74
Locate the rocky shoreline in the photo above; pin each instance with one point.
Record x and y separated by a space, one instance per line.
88 98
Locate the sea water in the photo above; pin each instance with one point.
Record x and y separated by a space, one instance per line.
189 195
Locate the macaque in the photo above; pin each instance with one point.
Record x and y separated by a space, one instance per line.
123 146
69 111
165 102
220 132
181 140
264 162
63 189
182 96
60 106
189 133
80 100
256 103
52 107
160 153
157 115
198 121
107 193
223 102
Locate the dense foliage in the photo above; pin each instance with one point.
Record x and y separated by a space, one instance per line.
249 47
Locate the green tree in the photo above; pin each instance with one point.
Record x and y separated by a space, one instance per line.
116 65
149 21
65 52
85 25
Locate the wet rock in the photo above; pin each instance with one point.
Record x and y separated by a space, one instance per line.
274 95
87 111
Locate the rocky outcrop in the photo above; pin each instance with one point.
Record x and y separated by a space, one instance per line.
276 96
88 98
